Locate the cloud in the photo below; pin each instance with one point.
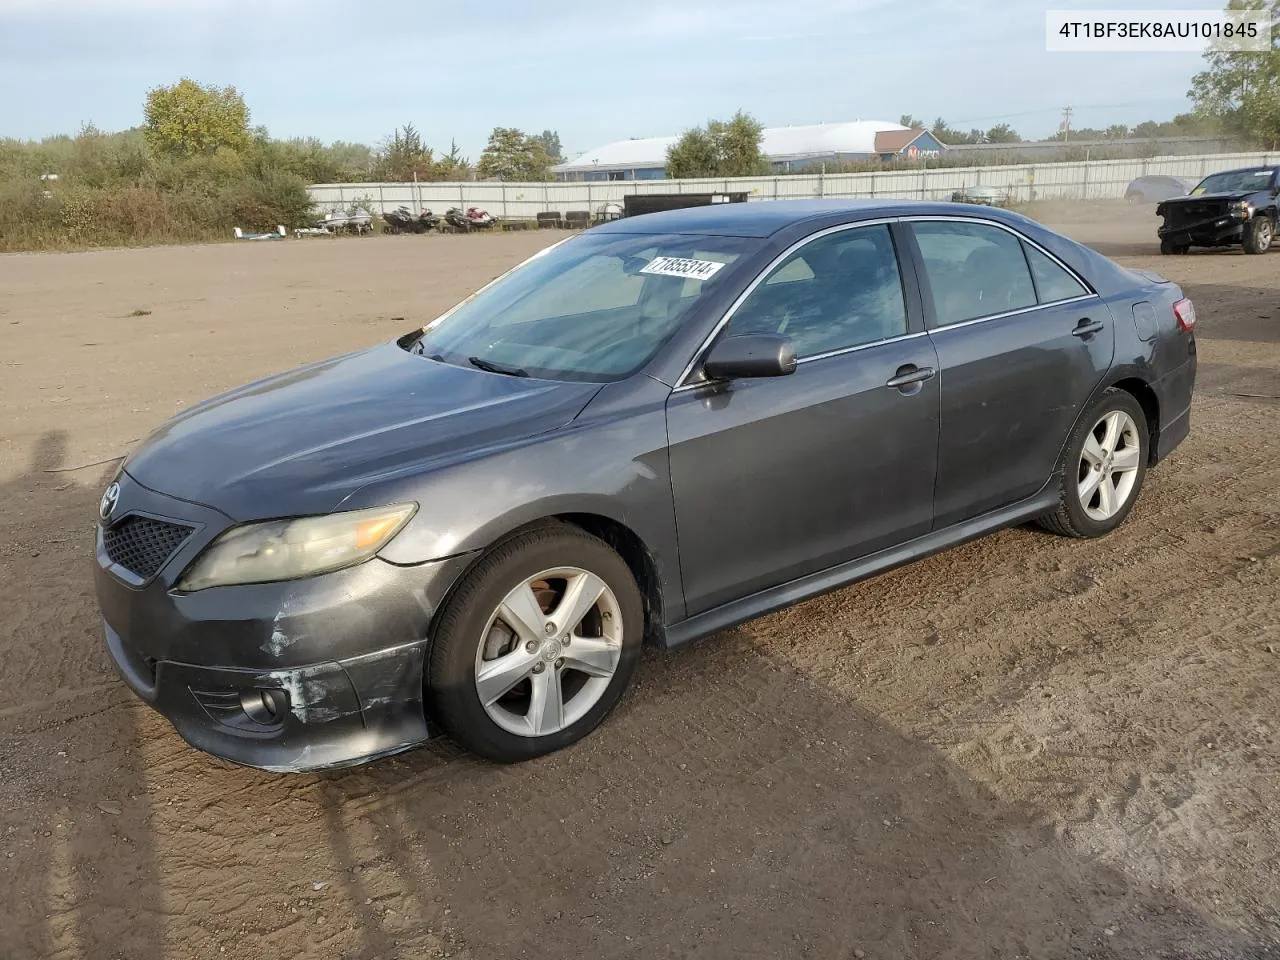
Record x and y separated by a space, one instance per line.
776 37
124 7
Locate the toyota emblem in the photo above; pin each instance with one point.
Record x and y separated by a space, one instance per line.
110 497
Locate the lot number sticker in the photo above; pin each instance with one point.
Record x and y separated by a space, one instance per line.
681 267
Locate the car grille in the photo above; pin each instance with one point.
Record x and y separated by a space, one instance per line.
1189 213
141 545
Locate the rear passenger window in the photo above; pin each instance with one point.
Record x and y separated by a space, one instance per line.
974 270
1053 283
841 290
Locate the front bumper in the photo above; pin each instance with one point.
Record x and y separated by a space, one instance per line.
321 716
1227 228
308 674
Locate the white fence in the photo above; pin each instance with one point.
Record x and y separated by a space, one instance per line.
1083 180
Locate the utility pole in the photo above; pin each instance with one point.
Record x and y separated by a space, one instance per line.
1066 124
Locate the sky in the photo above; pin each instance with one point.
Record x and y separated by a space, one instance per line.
593 71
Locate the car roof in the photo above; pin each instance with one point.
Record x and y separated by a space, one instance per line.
765 218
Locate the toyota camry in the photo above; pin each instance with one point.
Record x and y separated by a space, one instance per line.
659 428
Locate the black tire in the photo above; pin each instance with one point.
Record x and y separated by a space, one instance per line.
1258 234
1168 247
1069 518
450 682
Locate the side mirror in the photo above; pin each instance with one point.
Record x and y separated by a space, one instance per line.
754 355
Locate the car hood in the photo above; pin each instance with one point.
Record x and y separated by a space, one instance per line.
301 442
1235 195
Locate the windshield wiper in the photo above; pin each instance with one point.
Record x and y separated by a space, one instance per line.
492 367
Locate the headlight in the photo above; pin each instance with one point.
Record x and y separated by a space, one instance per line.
1242 208
290 549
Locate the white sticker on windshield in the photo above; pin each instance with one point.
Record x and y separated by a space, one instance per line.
681 267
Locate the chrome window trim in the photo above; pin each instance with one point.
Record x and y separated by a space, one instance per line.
681 383
856 347
1090 293
1012 313
818 356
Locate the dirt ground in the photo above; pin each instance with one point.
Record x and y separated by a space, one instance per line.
1025 747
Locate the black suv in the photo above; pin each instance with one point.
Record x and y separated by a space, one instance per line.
1223 209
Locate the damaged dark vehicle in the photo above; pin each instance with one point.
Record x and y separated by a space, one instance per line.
1232 208
655 430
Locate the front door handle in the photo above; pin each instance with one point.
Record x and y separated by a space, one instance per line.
1087 327
909 375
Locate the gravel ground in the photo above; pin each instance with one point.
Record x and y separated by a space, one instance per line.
1024 747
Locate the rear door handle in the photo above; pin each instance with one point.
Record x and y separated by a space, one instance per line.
1087 327
910 375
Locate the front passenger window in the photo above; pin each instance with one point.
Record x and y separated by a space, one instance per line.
839 291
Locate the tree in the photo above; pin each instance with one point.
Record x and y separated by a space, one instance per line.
187 119
693 155
945 134
720 149
404 157
907 120
512 155
550 141
453 165
1242 89
1002 133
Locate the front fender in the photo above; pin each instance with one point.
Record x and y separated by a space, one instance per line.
611 462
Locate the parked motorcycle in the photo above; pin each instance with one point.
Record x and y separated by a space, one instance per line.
402 220
473 218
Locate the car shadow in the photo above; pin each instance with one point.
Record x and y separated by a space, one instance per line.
733 807
78 865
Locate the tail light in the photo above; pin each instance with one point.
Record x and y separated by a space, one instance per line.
1184 312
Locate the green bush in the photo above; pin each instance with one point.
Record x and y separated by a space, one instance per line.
277 197
114 190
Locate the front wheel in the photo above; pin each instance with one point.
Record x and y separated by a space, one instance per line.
537 645
1168 247
1258 234
1102 469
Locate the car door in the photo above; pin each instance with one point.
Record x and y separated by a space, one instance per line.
1022 342
780 477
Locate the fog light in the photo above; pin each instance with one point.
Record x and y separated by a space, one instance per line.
266 706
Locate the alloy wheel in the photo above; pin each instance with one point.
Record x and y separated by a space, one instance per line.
549 652
1109 465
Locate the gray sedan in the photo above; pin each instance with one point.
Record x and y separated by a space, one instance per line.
654 430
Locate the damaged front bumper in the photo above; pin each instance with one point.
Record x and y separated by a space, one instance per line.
1209 232
323 715
308 674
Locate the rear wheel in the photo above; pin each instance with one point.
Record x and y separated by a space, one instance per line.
537 646
1168 247
1258 234
1102 469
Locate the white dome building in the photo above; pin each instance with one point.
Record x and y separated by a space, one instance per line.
786 148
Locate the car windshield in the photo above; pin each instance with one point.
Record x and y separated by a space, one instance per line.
1234 181
596 307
